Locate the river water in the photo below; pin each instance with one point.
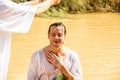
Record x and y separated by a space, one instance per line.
94 36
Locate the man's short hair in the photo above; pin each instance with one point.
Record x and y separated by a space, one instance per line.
56 24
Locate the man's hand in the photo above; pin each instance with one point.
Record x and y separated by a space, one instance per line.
58 62
55 60
56 2
40 1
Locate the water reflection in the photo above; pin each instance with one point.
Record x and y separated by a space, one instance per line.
96 37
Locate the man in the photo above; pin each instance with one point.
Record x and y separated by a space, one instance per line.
55 61
16 18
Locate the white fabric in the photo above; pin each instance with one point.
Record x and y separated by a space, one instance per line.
5 41
41 69
13 18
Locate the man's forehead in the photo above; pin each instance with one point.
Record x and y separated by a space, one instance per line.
57 28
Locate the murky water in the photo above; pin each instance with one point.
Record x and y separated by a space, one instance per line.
96 38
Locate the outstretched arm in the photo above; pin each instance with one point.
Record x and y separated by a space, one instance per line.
35 2
43 5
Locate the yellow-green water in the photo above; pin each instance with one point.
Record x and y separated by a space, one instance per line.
95 36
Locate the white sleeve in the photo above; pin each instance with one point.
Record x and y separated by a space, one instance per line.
76 68
33 66
16 17
25 3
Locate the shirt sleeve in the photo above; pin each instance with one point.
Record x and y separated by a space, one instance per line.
76 68
16 17
33 66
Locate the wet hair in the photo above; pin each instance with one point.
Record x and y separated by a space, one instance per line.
56 24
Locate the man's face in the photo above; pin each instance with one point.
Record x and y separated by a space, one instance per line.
56 36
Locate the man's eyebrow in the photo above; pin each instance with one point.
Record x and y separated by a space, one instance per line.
52 33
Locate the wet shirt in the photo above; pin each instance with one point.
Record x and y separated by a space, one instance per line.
41 69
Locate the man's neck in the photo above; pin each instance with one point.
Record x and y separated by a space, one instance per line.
56 50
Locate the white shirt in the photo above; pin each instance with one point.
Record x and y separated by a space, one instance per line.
41 69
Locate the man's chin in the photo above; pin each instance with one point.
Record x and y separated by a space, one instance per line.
56 46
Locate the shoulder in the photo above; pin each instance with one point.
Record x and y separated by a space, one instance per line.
37 54
72 54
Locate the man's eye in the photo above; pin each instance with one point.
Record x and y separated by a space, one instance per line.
59 35
53 34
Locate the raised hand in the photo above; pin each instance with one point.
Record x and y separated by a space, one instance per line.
57 2
40 0
55 60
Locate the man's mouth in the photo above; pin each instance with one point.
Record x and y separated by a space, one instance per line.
57 41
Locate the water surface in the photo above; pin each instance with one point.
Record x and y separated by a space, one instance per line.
95 36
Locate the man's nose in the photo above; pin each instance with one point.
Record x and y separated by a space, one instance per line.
56 37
